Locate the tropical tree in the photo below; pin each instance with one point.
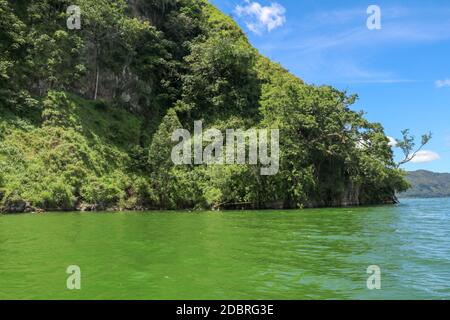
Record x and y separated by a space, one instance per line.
12 41
221 80
159 159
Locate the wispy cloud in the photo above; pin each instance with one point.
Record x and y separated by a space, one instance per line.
350 15
359 37
381 81
318 42
259 18
425 156
443 83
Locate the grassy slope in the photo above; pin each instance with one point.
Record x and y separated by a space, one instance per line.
51 165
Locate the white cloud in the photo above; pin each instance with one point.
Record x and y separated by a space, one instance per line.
443 83
425 156
259 18
392 142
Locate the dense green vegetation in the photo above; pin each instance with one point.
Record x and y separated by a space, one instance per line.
86 115
427 184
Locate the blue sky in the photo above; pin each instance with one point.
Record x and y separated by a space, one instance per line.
401 72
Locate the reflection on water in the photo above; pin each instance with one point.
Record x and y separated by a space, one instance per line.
311 254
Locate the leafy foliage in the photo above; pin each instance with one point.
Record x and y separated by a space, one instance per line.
221 80
407 144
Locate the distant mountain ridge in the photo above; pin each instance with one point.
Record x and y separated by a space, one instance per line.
427 184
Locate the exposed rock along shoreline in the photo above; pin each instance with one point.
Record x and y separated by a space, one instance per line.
348 200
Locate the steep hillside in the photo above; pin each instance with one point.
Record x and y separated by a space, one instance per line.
86 116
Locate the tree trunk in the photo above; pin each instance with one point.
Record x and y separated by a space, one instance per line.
96 83
97 70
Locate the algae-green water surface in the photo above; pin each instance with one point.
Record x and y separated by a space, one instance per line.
309 254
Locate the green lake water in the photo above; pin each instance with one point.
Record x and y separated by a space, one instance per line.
309 254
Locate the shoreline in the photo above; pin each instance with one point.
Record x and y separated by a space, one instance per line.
194 211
